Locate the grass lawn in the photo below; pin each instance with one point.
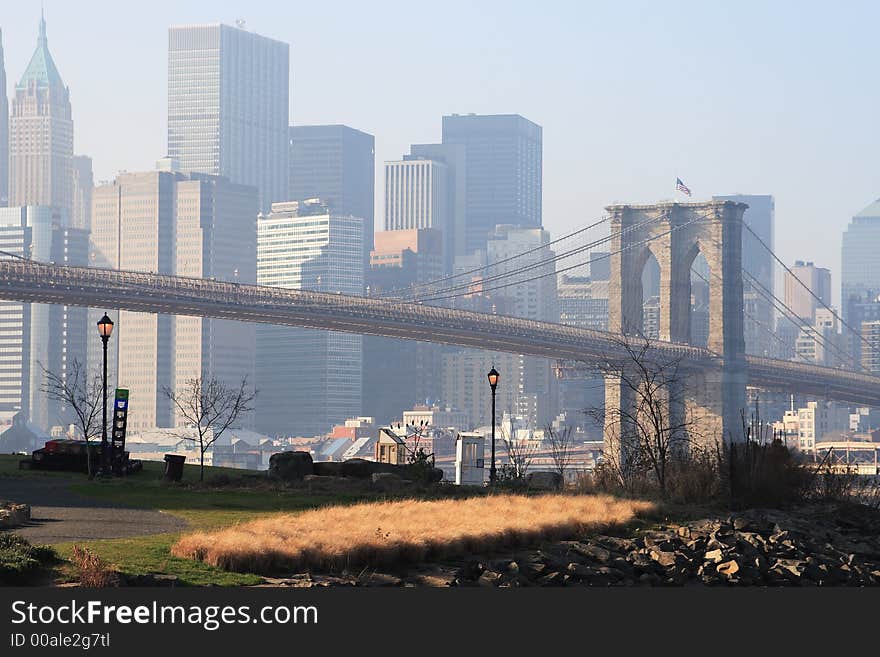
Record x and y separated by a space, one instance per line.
202 508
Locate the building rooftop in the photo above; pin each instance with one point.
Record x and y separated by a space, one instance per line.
872 210
41 68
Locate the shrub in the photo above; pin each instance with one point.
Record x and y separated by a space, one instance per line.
764 474
94 572
20 561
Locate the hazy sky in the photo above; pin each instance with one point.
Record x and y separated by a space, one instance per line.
751 97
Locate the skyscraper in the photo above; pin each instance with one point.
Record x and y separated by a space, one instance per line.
534 388
860 271
400 259
309 380
4 132
758 262
34 337
800 300
503 156
228 95
83 185
336 164
416 196
453 156
41 134
174 223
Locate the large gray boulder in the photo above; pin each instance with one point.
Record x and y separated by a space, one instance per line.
544 480
327 468
363 469
290 466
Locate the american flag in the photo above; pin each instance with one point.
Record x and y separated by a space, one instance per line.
680 186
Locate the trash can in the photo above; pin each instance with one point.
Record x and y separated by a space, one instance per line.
174 467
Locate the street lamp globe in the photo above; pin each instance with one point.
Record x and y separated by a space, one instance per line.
493 378
105 327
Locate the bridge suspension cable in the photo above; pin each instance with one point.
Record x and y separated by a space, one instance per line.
789 314
564 269
807 287
769 331
468 287
792 316
436 281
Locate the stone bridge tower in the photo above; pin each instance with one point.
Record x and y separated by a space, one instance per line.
675 233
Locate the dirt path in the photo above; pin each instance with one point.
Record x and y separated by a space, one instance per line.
59 516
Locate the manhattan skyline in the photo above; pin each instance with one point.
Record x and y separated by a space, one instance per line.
745 99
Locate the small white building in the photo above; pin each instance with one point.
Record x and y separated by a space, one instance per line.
470 449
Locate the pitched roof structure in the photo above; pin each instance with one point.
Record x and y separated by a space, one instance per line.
41 68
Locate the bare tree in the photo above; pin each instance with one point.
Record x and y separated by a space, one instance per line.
561 444
82 394
209 407
650 427
520 454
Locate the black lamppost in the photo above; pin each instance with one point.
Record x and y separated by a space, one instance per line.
105 328
493 383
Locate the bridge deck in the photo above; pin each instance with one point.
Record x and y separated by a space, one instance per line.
155 293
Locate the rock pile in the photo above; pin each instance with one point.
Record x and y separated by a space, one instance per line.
812 546
13 515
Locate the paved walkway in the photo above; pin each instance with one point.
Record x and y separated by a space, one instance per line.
59 516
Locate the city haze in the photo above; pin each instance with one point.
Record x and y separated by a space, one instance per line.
730 98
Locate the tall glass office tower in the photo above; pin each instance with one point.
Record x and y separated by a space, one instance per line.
4 132
34 336
503 155
308 379
860 271
228 94
335 163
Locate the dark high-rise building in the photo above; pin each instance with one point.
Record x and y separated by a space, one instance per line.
398 374
228 100
4 132
336 164
503 155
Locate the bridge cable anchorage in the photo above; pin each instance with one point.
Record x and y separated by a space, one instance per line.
504 260
569 268
807 288
428 296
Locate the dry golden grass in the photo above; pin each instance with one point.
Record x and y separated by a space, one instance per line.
385 533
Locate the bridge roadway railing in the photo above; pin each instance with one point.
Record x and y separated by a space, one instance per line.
158 293
147 292
822 382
